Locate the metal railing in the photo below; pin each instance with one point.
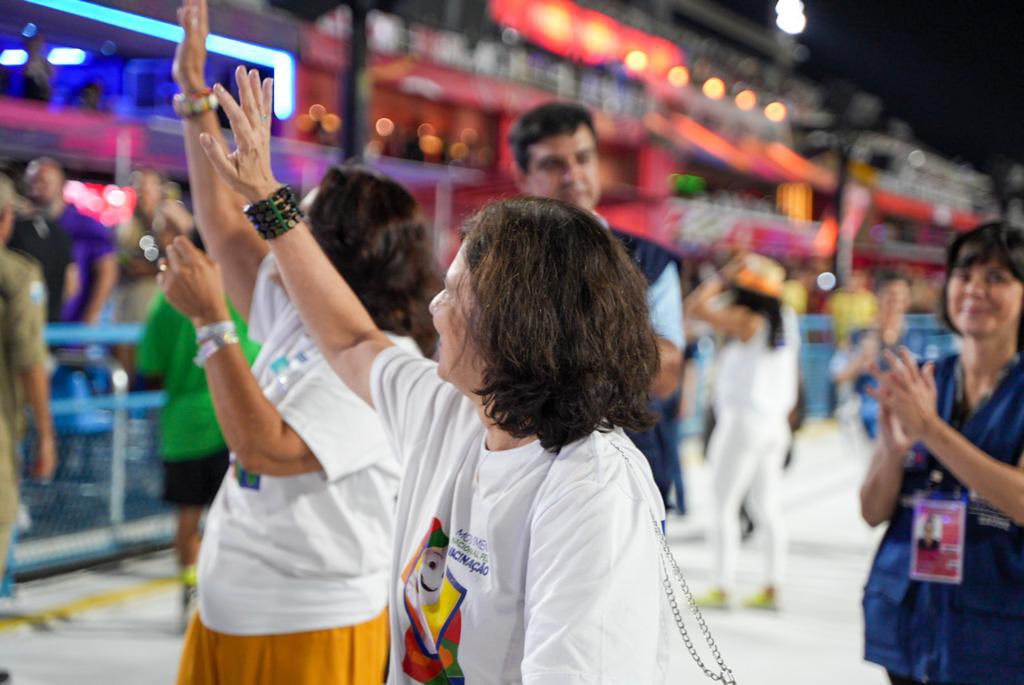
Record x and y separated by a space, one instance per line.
105 499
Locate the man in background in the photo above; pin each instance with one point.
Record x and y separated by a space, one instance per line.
556 156
92 243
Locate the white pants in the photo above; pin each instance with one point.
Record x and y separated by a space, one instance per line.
746 454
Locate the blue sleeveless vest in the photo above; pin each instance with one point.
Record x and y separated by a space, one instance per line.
660 444
972 633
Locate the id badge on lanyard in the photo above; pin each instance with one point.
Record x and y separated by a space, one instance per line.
937 546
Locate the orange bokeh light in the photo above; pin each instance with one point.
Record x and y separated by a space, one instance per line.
746 99
636 60
679 76
775 111
714 88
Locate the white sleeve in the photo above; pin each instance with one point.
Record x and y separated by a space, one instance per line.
412 400
593 592
268 301
340 429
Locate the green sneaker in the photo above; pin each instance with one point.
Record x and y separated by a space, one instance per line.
713 599
764 600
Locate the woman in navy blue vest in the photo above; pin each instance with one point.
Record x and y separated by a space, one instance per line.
948 466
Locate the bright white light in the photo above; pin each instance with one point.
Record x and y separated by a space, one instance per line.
115 196
791 23
13 58
61 57
790 16
66 57
827 281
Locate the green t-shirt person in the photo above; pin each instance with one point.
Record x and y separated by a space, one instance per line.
188 425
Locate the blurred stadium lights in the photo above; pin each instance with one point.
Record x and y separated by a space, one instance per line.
61 57
282 62
790 16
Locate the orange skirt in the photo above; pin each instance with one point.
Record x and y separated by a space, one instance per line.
354 655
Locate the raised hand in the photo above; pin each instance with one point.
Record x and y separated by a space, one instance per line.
192 283
188 68
246 169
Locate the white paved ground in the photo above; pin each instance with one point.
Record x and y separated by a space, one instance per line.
815 639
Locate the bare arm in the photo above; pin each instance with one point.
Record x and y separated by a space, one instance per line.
71 283
255 431
36 386
228 237
339 324
999 483
670 369
880 492
104 280
736 322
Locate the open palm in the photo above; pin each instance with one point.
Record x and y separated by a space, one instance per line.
247 168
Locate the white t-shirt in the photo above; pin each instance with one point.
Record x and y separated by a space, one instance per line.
755 377
307 552
518 566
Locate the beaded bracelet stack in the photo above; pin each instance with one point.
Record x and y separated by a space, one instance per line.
188 105
212 337
275 215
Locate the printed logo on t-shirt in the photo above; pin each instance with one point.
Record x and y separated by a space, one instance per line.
432 597
246 479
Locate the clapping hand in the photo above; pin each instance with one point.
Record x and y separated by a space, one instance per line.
246 169
907 399
191 282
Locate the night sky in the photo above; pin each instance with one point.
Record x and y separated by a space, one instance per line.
952 69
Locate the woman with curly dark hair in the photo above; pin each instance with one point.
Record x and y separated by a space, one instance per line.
293 573
524 549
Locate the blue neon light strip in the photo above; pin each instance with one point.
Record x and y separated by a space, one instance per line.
280 61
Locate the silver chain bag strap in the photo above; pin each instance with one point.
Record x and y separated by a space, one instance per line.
670 569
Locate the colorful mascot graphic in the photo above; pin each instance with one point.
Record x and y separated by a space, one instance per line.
432 601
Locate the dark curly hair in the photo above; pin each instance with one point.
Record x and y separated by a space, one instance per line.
372 230
559 316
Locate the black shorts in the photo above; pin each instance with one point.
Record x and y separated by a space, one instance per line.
194 482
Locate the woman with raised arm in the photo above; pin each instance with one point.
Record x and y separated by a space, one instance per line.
294 567
945 599
756 387
525 549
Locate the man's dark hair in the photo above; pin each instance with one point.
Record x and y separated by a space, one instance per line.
372 230
558 313
992 242
551 119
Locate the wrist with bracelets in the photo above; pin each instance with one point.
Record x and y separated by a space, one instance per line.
212 337
275 215
194 103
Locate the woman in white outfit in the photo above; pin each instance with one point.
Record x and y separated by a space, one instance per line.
525 547
755 390
294 570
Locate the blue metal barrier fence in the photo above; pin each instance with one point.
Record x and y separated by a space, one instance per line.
106 496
